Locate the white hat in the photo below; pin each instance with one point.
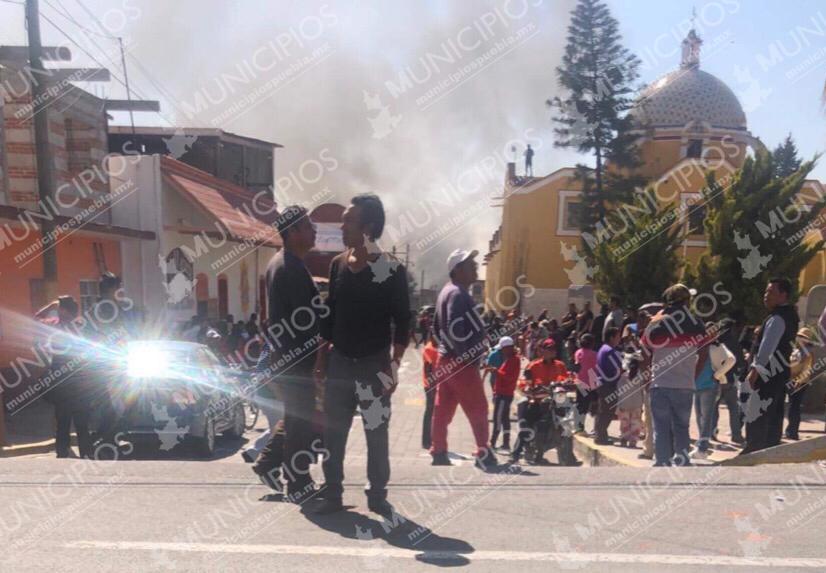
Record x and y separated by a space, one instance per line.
459 256
505 341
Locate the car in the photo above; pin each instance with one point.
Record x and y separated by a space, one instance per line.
175 393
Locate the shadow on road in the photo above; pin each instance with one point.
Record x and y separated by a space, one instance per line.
398 531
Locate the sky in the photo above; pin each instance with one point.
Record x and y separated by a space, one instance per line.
420 102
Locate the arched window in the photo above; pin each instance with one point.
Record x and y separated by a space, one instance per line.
202 294
178 271
223 294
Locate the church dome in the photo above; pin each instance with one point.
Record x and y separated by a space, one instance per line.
687 95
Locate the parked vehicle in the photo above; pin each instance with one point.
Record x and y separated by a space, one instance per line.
177 393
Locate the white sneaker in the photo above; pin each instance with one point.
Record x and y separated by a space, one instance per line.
698 454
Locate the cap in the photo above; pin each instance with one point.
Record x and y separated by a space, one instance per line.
806 334
459 256
548 343
505 341
678 293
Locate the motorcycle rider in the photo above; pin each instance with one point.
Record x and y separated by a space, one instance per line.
541 373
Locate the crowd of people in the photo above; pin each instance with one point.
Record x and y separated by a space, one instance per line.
649 368
324 358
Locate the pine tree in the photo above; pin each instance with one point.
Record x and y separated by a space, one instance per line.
641 260
785 158
597 73
756 228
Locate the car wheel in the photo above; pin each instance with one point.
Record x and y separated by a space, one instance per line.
239 422
205 445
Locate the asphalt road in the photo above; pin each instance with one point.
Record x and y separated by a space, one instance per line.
176 514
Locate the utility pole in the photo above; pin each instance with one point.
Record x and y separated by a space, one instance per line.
128 91
43 151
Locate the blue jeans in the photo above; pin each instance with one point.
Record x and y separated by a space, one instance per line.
671 411
705 402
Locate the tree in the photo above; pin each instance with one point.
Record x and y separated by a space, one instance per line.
756 229
639 262
597 73
785 158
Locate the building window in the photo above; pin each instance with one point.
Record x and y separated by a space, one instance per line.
693 218
179 284
695 148
570 212
696 217
89 294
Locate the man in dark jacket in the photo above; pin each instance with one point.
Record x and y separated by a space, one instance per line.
368 318
294 323
67 382
769 371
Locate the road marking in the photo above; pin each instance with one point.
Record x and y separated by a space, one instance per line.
570 557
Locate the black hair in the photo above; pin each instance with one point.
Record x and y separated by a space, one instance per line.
289 217
109 281
616 300
610 332
587 341
784 285
372 213
67 303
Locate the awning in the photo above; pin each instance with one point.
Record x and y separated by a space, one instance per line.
243 215
64 224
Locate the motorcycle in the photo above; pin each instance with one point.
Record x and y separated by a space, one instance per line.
556 424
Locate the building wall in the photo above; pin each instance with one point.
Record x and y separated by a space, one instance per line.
76 260
178 223
77 138
533 245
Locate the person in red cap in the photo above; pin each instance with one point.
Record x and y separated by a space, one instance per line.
544 371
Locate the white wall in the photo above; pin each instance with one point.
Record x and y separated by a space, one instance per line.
158 207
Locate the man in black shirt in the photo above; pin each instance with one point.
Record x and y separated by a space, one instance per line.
368 292
293 314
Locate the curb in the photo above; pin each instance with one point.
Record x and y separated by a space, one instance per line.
596 456
43 447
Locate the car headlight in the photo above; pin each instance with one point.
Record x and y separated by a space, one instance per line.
146 362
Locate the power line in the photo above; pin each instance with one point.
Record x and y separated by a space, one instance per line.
122 65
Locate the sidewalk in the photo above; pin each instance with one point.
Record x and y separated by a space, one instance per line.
811 426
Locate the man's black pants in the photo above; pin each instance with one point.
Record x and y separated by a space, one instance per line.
729 396
795 405
528 415
351 383
299 406
272 455
766 429
501 419
66 415
427 421
606 406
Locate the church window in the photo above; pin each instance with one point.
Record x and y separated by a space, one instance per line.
695 148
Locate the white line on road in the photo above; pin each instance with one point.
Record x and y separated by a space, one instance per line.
570 557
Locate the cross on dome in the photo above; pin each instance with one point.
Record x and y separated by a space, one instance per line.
691 50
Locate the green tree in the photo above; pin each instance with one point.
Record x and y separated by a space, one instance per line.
597 75
755 225
640 260
785 158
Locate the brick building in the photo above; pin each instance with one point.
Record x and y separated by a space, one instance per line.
85 240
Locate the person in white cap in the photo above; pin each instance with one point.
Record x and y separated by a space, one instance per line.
507 375
461 335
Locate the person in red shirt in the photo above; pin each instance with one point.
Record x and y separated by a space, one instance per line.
430 354
506 376
545 371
